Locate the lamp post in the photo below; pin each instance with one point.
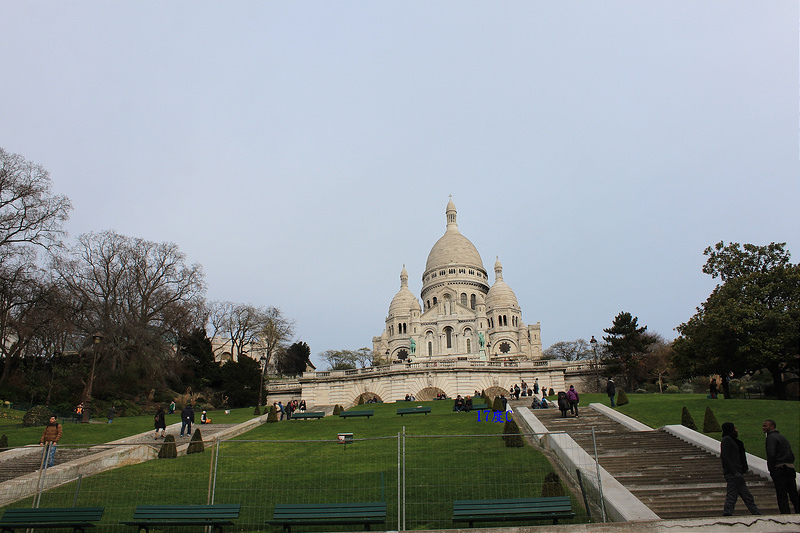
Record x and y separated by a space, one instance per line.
263 364
87 401
593 342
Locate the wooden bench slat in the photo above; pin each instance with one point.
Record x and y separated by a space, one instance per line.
554 508
368 413
367 513
51 517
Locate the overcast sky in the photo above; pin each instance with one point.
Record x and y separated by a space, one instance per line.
303 152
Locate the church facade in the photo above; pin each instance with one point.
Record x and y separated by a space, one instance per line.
462 316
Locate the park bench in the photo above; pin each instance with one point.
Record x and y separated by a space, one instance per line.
366 412
478 406
524 509
307 414
76 518
290 514
215 516
413 410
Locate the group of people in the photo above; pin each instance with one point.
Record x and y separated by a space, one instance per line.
568 401
462 405
290 407
780 463
516 391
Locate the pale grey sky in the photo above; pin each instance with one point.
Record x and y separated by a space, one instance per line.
302 152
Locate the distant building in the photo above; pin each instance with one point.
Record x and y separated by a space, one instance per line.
461 315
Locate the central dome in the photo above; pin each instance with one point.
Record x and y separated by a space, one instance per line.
452 247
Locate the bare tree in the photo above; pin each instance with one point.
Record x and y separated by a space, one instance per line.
569 350
276 332
240 324
30 214
138 294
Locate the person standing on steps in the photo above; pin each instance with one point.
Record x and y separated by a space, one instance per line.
50 437
780 463
573 399
187 419
160 422
734 466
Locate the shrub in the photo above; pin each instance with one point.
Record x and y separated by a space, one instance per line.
336 410
622 397
687 420
511 434
497 405
257 411
3 442
38 415
552 392
196 444
169 450
710 424
273 414
552 486
361 399
672 389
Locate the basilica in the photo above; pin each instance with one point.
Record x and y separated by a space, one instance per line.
461 316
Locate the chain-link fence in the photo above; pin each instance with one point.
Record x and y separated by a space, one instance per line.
417 476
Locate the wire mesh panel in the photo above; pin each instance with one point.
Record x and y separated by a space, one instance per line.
477 467
261 474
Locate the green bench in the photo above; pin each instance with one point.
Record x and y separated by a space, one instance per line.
367 412
478 407
472 511
76 518
290 514
307 414
413 410
215 516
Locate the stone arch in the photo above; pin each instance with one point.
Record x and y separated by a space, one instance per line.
368 395
495 392
428 393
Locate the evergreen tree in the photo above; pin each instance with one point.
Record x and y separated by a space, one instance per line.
294 360
626 345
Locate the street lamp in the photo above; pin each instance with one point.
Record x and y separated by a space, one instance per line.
263 364
87 401
593 342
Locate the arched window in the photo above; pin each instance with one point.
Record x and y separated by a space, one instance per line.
472 301
448 333
469 345
435 301
430 349
464 299
427 304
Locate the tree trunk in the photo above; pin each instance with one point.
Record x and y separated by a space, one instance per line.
777 380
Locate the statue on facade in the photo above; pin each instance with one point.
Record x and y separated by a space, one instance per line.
481 340
413 346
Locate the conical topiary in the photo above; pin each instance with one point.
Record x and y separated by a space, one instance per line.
497 405
552 392
687 420
336 410
168 450
3 442
511 434
710 424
196 444
552 486
273 414
622 397
257 411
361 400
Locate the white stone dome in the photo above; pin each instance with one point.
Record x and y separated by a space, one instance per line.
500 294
453 247
404 301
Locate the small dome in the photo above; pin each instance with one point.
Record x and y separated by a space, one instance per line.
500 294
453 247
404 301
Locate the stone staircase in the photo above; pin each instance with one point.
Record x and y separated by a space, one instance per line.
30 463
673 478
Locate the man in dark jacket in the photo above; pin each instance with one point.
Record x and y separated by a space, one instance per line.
187 419
734 466
780 462
611 390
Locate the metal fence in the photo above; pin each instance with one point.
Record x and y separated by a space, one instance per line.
417 476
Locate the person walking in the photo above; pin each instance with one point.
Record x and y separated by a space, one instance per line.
734 466
172 407
110 415
712 389
563 403
187 419
160 422
573 399
780 463
50 437
611 390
